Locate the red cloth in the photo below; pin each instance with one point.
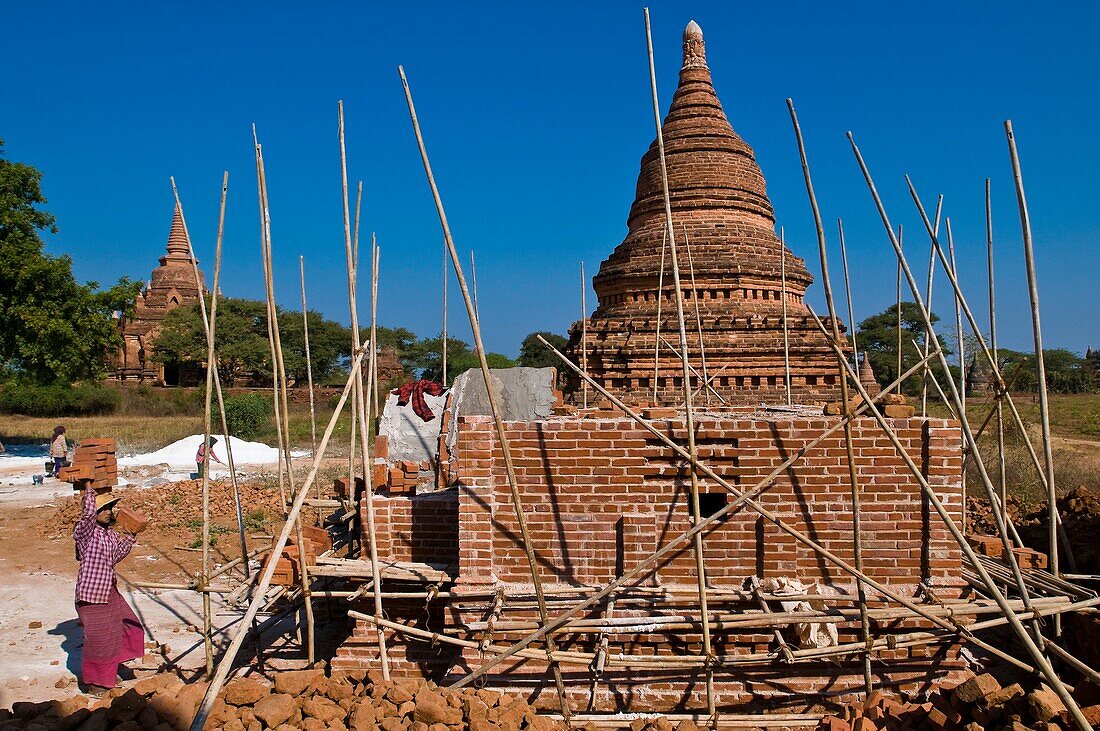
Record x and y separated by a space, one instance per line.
414 391
112 635
98 549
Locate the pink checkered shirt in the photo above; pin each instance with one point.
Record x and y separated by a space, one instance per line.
98 549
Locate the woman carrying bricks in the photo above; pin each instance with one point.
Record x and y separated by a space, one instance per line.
59 449
112 632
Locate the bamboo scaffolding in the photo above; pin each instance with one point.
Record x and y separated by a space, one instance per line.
1029 643
360 397
584 334
813 655
741 498
704 383
757 619
660 301
226 663
1037 331
309 361
997 406
970 441
490 389
786 335
603 643
847 295
473 280
857 532
689 415
698 316
281 404
999 378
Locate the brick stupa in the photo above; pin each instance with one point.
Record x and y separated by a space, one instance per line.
721 212
171 285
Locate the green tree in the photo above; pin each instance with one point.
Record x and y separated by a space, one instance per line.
1067 372
460 358
329 342
533 354
55 330
877 337
241 338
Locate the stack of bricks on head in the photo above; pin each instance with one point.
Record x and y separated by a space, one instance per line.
980 702
94 465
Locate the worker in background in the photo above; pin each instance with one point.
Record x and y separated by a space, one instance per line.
59 449
200 456
112 632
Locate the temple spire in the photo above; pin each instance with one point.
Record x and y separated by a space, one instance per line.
695 51
178 244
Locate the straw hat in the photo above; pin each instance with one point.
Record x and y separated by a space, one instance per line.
104 501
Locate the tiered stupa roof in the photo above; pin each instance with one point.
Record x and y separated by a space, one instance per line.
725 233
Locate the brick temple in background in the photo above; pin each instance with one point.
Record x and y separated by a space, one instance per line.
730 269
171 285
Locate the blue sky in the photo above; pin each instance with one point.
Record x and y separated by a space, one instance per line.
536 116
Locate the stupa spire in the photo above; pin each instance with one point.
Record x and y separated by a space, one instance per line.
177 237
695 51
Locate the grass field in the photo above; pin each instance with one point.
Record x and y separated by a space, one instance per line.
1074 425
151 422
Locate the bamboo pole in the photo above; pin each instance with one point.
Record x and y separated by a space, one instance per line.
309 361
857 532
226 663
490 390
281 389
376 255
1040 360
929 334
1040 660
473 278
660 301
360 397
353 436
899 342
848 294
786 336
584 333
603 643
270 316
997 405
443 355
689 415
962 366
698 316
980 341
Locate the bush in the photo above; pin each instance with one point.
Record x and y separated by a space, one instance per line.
246 414
58 399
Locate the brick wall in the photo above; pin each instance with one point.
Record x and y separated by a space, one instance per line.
601 495
587 483
416 528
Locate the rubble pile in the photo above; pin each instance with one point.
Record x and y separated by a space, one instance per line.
176 503
298 699
1080 511
978 703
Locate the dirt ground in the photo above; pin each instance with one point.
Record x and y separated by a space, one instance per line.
39 637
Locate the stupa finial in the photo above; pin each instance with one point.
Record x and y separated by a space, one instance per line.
695 52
